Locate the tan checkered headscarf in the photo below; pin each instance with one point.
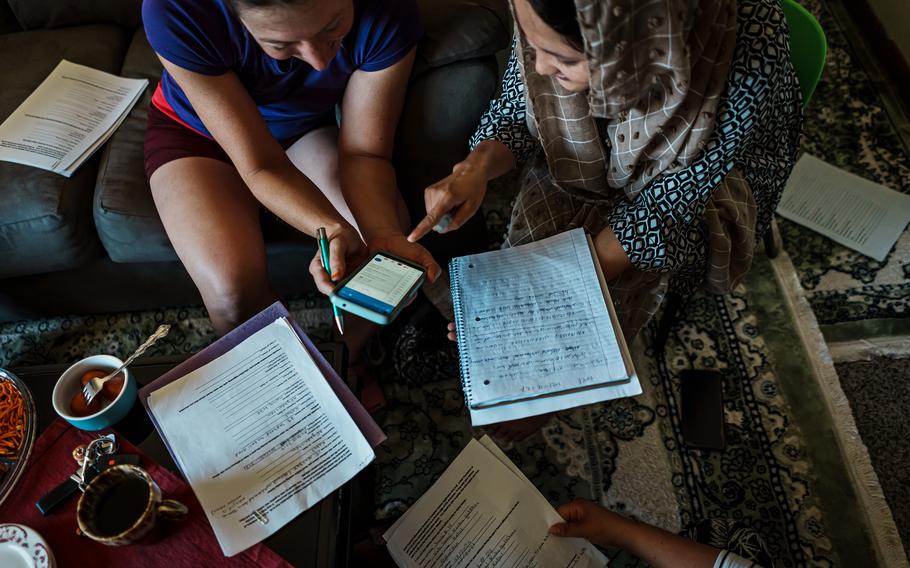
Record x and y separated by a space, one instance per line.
658 69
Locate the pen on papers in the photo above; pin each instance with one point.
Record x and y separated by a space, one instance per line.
324 250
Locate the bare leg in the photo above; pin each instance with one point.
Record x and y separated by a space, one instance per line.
316 155
212 220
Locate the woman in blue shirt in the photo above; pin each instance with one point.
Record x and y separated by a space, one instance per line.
244 117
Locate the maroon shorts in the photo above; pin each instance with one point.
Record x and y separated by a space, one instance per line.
167 140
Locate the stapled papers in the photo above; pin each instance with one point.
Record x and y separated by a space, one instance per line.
259 431
484 512
67 118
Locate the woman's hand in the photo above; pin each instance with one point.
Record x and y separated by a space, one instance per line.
586 519
400 246
613 258
345 250
453 200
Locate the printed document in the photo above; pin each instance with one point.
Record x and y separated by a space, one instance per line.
259 435
850 210
69 116
484 513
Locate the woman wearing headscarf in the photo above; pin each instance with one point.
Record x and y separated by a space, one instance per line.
665 128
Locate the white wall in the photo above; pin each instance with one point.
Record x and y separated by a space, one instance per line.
895 17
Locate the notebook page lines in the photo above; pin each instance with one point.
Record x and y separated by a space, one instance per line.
536 322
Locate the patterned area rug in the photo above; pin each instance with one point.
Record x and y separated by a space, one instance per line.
783 470
849 126
68 339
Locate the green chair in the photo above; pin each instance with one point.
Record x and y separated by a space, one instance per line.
808 47
807 52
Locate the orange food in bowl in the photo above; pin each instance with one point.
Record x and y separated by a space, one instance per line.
89 375
111 389
79 408
12 420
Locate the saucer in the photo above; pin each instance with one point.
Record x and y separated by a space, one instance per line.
21 547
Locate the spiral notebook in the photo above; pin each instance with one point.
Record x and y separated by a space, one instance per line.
537 331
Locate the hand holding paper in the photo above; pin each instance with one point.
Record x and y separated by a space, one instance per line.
483 512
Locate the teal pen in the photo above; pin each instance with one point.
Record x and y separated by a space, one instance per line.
323 241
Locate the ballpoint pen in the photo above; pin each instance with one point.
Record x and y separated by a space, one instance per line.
323 241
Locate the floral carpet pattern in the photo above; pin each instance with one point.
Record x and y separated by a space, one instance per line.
627 454
848 126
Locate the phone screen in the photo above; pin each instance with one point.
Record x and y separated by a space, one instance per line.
381 284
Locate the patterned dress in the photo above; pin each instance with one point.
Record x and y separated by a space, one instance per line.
691 226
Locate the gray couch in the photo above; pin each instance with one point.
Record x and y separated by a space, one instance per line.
94 243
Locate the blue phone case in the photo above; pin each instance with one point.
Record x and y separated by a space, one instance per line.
365 312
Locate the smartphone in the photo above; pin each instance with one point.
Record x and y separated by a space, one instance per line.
702 408
379 288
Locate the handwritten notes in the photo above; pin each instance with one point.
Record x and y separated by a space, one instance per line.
533 321
259 435
846 208
484 513
67 118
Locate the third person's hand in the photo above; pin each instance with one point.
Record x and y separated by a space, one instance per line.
586 519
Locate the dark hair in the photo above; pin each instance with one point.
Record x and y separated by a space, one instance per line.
560 15
235 5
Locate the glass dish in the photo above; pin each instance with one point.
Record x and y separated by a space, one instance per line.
28 440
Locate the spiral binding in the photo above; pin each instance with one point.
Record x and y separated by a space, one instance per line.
460 328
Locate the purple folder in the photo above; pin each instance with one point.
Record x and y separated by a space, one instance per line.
361 417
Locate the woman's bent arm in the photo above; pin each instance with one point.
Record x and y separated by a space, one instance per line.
229 113
369 115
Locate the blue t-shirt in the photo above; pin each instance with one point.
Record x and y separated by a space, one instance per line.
203 36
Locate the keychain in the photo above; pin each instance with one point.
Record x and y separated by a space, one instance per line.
91 459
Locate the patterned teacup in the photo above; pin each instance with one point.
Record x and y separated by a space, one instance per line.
121 505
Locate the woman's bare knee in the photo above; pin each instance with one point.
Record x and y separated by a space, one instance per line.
230 300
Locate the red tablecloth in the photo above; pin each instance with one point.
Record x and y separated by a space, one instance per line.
190 543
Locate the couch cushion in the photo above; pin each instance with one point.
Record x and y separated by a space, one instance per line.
45 218
125 214
36 14
461 29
